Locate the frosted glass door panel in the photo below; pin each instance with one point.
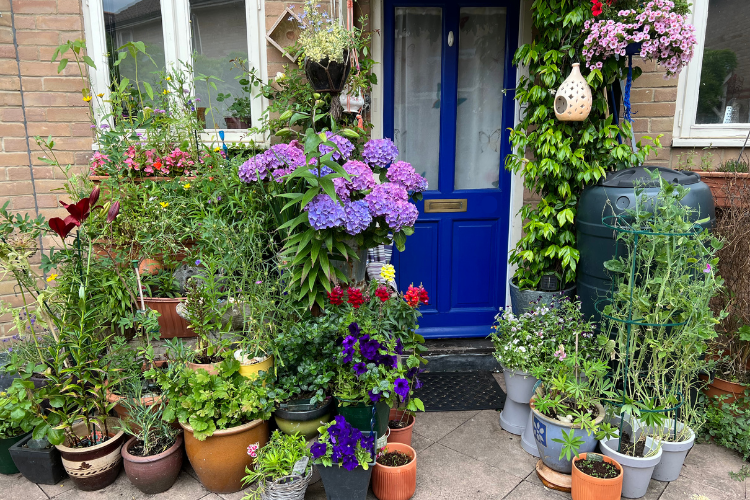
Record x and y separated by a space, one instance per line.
479 114
417 80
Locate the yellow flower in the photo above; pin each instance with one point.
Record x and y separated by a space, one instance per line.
186 186
87 98
99 95
166 91
52 277
217 149
388 272
169 78
163 204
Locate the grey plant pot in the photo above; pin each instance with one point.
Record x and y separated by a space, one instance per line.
528 443
636 472
546 430
520 387
673 455
528 300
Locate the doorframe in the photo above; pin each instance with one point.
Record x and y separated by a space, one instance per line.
517 194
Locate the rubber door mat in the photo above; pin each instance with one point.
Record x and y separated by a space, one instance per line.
458 391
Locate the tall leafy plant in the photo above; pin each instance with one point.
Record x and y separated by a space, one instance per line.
558 159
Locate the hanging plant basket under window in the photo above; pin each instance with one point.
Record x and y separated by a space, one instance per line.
326 75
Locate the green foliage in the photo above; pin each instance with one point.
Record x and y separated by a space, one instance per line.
274 461
17 410
571 444
145 420
729 424
565 156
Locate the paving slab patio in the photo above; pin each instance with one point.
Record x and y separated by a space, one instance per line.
461 455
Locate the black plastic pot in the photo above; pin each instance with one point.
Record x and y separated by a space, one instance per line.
342 484
295 416
328 76
38 466
6 462
528 300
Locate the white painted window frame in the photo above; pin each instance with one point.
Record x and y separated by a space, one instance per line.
686 133
177 48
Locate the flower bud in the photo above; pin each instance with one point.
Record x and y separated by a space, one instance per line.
113 211
94 197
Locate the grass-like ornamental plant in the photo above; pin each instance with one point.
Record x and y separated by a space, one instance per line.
341 444
276 460
145 422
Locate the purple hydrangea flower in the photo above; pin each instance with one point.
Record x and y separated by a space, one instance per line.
357 216
345 147
383 196
252 170
323 212
280 160
380 152
323 170
403 173
359 368
361 179
401 387
401 214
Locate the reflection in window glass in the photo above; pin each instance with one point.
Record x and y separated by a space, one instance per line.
219 36
134 21
724 95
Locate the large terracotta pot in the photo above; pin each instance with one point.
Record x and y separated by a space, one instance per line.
396 483
156 473
171 325
402 436
585 487
95 467
720 387
221 459
724 185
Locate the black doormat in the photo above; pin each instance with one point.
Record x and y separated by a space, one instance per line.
457 391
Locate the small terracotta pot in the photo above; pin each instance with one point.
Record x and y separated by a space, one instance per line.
95 467
396 483
402 436
585 487
211 368
720 387
156 473
171 325
150 266
221 459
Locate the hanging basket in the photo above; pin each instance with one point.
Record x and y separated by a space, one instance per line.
328 76
287 488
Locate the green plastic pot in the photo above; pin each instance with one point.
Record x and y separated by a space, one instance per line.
360 414
7 466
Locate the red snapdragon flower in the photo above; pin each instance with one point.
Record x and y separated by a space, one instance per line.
355 297
382 293
412 296
335 296
424 298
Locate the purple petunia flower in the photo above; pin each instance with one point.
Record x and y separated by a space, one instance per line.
350 462
348 353
318 450
359 369
369 349
373 397
357 216
354 329
349 341
401 387
198 262
403 173
380 152
399 346
323 212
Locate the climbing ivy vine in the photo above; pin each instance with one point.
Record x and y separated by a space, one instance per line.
558 159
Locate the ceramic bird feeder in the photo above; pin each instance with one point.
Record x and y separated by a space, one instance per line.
573 98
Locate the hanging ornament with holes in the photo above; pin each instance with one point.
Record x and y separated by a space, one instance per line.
573 98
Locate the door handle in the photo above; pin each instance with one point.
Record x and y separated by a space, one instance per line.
457 205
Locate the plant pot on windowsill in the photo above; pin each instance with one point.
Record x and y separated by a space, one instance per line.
237 123
299 416
396 483
326 75
585 487
156 473
401 434
40 466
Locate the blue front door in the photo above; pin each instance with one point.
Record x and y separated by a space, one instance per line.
447 63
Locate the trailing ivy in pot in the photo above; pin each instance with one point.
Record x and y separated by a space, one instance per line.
348 476
282 469
153 454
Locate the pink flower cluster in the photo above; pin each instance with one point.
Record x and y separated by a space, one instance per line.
97 162
666 37
149 163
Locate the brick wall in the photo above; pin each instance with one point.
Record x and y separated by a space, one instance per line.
53 106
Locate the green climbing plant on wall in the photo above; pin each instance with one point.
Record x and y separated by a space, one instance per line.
558 159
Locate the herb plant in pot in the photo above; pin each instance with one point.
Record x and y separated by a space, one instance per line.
395 473
282 469
224 416
595 477
17 418
345 457
153 455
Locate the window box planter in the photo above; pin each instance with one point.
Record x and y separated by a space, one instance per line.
40 466
585 487
156 473
396 483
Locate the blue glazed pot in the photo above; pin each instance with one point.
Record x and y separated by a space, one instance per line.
547 429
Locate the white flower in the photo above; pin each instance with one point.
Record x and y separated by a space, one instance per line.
522 349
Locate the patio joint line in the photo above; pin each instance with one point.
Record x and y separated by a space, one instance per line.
476 412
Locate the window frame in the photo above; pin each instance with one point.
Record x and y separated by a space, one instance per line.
178 47
686 132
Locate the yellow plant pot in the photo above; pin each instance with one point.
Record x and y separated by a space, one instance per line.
251 371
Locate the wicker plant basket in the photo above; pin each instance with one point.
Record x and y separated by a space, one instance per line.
287 488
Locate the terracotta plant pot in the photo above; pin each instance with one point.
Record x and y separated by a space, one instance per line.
95 467
221 459
585 487
720 387
150 266
156 473
396 483
724 185
402 436
211 368
171 325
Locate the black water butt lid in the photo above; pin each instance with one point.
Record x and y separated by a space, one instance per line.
637 176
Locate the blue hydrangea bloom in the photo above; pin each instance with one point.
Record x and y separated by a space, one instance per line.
357 216
324 213
383 196
401 214
380 152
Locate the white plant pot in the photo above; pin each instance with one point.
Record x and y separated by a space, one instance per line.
520 387
673 454
636 472
528 443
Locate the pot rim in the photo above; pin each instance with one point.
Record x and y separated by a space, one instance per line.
370 466
637 462
407 449
308 414
126 455
403 429
164 300
673 446
558 423
562 292
227 432
514 373
118 435
237 352
582 456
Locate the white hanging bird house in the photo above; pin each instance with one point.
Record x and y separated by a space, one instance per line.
573 98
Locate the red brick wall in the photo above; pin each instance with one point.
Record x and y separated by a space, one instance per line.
53 106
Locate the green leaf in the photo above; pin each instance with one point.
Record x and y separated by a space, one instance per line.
62 64
149 90
89 61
